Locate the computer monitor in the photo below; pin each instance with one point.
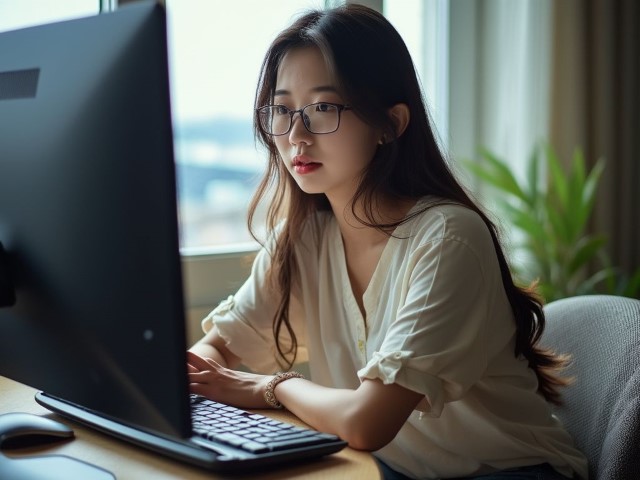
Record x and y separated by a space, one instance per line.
90 277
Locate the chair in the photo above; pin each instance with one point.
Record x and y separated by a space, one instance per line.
601 408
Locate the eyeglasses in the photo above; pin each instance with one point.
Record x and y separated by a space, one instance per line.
318 118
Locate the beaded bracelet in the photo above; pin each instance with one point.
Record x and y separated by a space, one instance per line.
269 395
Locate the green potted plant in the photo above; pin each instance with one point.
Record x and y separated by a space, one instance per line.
551 216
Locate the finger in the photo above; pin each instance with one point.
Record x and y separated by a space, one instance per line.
199 389
191 368
200 377
199 362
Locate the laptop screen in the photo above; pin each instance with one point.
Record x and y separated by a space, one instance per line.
92 307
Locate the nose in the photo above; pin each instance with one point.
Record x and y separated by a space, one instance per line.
299 132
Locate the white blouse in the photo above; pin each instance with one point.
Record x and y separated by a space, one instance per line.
437 322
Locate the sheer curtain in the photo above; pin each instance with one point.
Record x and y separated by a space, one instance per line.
595 104
499 78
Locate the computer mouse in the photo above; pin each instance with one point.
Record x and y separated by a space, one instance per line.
20 430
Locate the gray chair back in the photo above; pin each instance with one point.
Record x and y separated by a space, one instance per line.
601 408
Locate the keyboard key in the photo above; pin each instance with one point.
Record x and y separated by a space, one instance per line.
251 432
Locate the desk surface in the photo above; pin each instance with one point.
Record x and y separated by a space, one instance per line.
127 461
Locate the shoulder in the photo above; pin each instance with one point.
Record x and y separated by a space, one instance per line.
436 220
446 232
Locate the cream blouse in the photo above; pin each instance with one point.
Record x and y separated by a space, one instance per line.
437 322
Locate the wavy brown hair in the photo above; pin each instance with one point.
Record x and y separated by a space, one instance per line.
373 70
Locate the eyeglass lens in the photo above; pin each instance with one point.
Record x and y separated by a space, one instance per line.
317 118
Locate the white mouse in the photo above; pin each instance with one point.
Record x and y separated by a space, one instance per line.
19 429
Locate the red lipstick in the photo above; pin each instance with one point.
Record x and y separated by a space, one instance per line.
303 165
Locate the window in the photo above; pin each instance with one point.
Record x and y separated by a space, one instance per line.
424 26
215 53
26 13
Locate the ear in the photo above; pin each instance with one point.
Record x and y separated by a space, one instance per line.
400 115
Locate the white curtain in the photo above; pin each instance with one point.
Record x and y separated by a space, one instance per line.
499 77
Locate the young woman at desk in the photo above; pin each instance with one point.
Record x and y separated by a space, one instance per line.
383 274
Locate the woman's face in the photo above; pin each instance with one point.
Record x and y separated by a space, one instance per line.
328 163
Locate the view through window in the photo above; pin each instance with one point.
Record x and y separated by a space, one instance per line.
215 52
16 14
216 49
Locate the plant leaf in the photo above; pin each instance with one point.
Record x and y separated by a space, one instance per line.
533 170
575 188
586 250
632 287
502 175
589 285
589 193
558 222
557 178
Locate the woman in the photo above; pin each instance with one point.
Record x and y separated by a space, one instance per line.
383 274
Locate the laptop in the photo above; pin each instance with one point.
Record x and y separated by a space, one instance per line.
92 308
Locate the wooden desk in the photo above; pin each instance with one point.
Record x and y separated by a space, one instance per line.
127 461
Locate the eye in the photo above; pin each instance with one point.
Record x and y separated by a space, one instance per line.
325 107
280 110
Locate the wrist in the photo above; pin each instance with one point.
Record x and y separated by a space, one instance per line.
269 393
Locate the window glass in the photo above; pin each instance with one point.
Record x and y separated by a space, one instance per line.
216 50
423 25
25 13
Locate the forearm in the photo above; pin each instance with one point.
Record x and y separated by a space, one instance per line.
314 404
367 418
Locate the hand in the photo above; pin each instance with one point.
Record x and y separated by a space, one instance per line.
210 379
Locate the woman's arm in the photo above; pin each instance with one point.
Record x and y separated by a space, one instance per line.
367 418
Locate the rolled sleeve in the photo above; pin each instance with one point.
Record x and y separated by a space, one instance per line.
395 367
223 307
244 320
436 345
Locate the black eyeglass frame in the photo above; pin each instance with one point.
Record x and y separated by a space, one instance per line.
339 106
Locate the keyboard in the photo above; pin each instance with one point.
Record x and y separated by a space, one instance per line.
250 432
226 439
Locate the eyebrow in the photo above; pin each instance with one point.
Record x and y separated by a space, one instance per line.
322 88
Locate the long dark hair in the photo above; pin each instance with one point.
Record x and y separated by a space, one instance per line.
373 70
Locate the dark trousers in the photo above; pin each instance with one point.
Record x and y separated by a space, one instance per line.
534 472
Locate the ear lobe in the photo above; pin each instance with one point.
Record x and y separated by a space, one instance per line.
400 115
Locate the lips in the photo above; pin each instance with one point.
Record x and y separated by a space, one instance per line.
303 164
302 160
